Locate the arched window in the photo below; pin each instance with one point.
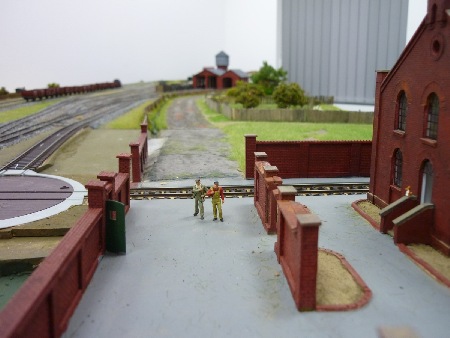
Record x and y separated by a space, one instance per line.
402 107
432 116
398 165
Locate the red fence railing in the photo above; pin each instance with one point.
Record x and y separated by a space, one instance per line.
42 307
296 227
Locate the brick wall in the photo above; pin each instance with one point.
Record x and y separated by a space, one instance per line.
297 159
297 231
297 245
139 153
421 70
42 307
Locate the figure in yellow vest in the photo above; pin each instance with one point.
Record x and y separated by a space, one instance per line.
218 198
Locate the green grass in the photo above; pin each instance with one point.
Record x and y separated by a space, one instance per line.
15 114
157 118
133 119
281 131
130 120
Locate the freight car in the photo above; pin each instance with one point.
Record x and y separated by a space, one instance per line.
40 94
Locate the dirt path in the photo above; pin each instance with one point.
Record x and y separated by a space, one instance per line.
192 147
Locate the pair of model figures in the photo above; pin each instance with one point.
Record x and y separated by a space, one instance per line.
199 191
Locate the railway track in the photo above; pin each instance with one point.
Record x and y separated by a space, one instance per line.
36 155
68 117
303 189
71 110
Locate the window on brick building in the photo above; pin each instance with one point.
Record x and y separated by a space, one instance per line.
402 107
398 165
432 116
427 183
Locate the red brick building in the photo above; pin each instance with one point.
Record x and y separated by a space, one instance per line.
220 77
411 136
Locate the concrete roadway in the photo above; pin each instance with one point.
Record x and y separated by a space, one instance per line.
183 277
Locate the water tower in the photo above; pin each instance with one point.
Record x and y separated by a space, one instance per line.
222 61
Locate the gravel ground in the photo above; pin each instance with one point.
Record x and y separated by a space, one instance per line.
192 147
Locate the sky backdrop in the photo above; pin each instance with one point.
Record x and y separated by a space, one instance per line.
87 41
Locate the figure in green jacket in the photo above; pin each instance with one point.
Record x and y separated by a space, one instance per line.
218 198
198 193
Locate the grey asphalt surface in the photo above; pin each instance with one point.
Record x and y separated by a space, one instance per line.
183 277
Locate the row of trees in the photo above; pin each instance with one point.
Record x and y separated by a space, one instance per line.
268 81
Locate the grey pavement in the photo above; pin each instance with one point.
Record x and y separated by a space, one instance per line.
183 277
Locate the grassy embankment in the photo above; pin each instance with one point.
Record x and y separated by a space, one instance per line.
133 119
15 114
281 131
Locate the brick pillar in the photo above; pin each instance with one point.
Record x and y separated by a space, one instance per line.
285 193
270 172
97 199
135 162
250 148
109 177
96 193
124 163
273 197
259 157
144 127
144 130
308 224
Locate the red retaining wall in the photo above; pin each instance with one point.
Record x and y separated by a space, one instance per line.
297 251
265 192
296 159
139 153
296 227
42 307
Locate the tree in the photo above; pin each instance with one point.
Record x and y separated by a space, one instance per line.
269 78
289 94
248 94
3 91
53 85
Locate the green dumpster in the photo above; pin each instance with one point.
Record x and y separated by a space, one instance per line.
115 227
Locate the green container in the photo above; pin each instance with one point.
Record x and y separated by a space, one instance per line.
115 227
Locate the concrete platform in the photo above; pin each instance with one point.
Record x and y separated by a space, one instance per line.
184 277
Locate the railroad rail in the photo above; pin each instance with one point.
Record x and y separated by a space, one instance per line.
239 191
36 155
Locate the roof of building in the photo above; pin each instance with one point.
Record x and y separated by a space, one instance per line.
239 73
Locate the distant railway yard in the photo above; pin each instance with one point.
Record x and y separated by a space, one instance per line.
63 119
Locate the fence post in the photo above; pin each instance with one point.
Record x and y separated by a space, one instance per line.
97 199
250 149
259 157
135 162
285 193
308 224
124 163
